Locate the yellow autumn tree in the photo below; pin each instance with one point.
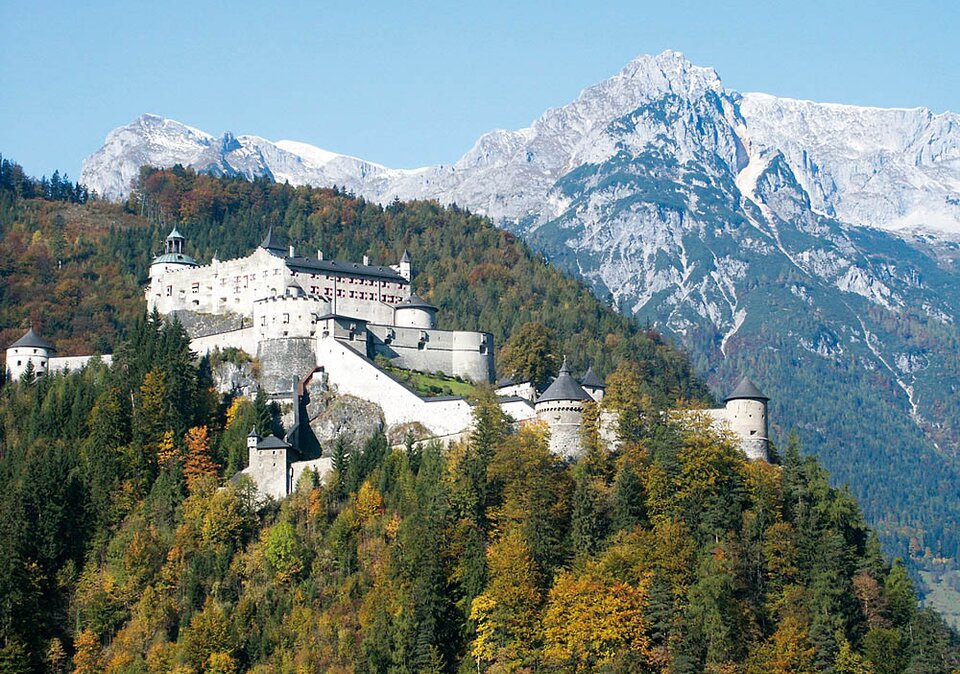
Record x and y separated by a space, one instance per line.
87 659
199 463
590 620
506 614
788 651
369 503
167 451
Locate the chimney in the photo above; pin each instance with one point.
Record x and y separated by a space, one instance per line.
366 260
319 254
291 250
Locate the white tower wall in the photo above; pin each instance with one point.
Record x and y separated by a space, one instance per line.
19 356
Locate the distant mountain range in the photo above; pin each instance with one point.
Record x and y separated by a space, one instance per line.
810 245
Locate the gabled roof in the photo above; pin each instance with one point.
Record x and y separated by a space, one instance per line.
311 265
746 390
564 387
33 340
591 379
273 442
415 302
271 243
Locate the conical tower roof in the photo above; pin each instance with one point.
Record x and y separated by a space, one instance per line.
405 257
271 243
33 340
746 390
564 387
415 301
591 379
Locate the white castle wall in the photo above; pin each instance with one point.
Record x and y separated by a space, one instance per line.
234 285
359 377
518 409
231 285
322 467
74 363
244 339
288 316
523 390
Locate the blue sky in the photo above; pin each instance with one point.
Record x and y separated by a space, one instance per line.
414 83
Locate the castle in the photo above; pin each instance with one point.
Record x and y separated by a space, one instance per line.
312 319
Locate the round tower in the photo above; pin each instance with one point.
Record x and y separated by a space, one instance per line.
160 294
561 408
31 348
415 312
747 417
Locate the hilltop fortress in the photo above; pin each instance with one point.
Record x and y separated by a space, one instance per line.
315 322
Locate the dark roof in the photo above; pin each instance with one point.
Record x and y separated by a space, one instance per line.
273 442
312 265
746 389
505 381
175 258
253 433
564 387
33 340
415 302
591 379
405 257
270 242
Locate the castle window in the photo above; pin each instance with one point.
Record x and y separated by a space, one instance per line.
195 288
753 432
483 348
169 291
286 318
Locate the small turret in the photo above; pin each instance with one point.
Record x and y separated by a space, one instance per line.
272 244
31 348
252 439
747 417
593 384
406 266
561 408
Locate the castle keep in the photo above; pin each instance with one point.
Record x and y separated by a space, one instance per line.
312 321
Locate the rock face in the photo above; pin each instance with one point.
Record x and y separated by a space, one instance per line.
331 416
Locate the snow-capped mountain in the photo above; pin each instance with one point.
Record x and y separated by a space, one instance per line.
808 244
888 168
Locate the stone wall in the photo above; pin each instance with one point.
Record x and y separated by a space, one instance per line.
457 353
564 419
283 361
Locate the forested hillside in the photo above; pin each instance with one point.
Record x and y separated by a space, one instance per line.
119 553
